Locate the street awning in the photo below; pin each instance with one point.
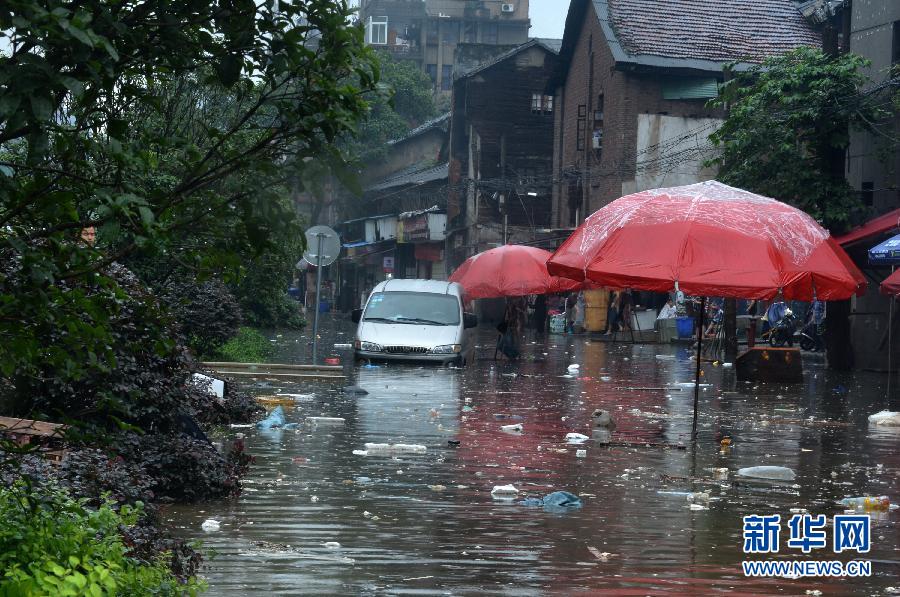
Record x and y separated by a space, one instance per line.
880 225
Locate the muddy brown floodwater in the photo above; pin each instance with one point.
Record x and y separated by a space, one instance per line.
426 524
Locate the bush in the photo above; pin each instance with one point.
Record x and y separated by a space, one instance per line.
98 479
248 346
184 468
51 544
206 312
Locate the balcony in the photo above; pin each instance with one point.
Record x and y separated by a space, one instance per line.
404 51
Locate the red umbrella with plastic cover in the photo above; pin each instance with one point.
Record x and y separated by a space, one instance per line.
708 239
510 270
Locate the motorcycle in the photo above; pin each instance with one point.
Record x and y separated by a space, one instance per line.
808 336
783 332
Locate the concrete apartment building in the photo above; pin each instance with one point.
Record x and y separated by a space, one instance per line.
432 32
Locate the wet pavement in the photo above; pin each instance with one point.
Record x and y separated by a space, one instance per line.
427 524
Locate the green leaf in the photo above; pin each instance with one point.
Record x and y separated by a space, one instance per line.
77 33
229 70
147 216
41 107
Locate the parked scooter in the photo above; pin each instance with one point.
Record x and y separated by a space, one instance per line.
783 332
808 337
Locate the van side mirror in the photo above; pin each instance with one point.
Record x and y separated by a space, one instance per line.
356 315
470 320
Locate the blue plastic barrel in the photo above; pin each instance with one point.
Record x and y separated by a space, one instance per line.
684 326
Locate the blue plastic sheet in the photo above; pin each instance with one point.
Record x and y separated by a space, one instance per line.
556 501
275 419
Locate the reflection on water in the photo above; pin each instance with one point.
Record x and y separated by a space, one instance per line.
426 523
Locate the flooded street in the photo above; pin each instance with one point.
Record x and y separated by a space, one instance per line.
427 524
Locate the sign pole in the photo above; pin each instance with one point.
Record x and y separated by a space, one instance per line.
315 354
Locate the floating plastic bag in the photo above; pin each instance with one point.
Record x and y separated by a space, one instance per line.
558 500
777 473
275 419
886 418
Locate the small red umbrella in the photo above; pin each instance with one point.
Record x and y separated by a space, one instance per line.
510 270
708 239
891 284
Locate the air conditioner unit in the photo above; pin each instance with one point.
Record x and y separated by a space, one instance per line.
508 8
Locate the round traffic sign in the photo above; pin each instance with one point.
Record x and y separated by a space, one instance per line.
323 245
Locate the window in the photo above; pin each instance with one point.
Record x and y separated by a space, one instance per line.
579 140
582 111
541 103
868 193
450 32
377 31
598 110
489 34
469 35
547 104
447 77
431 69
413 308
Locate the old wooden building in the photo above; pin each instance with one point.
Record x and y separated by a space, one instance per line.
501 147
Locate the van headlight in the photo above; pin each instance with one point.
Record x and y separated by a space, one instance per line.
447 349
369 347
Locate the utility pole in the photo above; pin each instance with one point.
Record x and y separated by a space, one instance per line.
837 329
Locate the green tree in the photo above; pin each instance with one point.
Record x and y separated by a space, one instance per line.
406 102
788 120
403 100
153 122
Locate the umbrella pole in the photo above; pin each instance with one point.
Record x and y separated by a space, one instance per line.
890 347
697 376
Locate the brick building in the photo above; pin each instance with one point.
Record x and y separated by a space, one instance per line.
431 32
634 80
501 147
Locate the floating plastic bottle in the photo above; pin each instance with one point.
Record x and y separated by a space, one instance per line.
868 502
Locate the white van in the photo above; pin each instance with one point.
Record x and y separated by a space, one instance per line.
415 320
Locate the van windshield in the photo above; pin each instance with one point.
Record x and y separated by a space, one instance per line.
414 308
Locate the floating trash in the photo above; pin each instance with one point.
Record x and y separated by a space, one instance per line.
210 525
776 473
504 492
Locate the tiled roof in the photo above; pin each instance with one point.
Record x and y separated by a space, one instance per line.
549 44
425 126
710 30
552 43
411 175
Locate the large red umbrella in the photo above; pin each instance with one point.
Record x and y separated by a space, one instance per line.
510 270
708 239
